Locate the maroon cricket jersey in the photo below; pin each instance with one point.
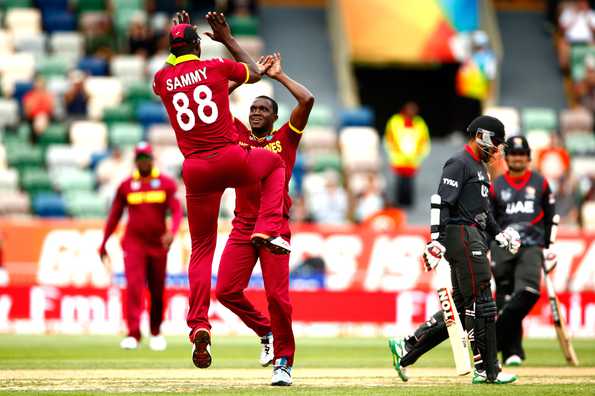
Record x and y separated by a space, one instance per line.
195 95
147 200
284 141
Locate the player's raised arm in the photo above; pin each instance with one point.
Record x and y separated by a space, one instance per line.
222 33
305 98
263 65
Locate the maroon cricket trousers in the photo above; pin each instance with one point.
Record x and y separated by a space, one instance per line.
206 176
237 263
144 266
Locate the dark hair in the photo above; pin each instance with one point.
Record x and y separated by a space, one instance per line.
273 103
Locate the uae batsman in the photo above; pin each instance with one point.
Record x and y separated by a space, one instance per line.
195 95
240 256
521 199
148 195
465 225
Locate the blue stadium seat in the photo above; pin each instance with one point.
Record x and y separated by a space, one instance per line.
93 66
97 157
299 170
58 21
363 116
149 113
20 90
59 5
48 205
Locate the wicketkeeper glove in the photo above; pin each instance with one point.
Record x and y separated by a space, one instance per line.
509 239
433 253
550 259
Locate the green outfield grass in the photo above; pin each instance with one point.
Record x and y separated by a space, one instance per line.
330 366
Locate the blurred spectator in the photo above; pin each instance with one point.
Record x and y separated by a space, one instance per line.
38 105
577 23
239 7
99 35
585 89
299 210
192 6
76 97
474 79
553 163
408 143
329 206
484 58
586 198
141 40
370 200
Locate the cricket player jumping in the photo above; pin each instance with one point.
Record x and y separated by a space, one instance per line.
465 225
148 195
240 256
195 95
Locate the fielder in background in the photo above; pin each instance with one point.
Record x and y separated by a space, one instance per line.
148 195
464 228
240 256
521 199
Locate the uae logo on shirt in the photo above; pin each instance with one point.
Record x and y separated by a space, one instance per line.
155 183
530 193
506 194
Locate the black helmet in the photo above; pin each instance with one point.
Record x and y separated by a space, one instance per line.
517 145
492 131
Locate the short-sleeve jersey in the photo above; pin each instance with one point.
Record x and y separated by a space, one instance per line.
526 204
464 188
195 95
147 202
284 141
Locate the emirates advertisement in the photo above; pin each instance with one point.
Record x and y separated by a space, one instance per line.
346 280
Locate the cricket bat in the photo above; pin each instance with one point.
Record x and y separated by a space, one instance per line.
557 315
457 336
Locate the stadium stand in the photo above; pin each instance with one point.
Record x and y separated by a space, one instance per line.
95 43
111 49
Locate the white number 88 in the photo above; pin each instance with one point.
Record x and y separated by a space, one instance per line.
181 103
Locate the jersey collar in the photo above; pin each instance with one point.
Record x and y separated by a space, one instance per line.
186 58
154 174
472 153
517 182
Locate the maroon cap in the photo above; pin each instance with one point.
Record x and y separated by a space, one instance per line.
182 34
143 148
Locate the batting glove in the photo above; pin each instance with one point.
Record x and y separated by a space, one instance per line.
433 253
509 239
550 259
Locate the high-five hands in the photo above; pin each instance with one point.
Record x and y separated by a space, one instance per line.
180 18
221 31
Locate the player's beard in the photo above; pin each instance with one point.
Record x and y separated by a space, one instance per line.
260 131
516 168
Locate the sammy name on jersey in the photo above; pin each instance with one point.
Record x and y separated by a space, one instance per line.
186 79
520 207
